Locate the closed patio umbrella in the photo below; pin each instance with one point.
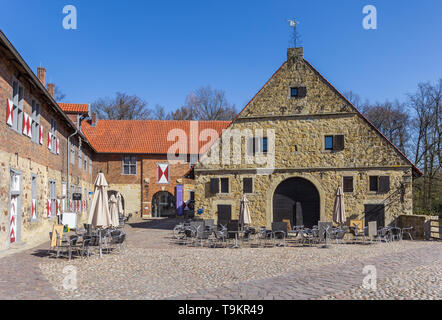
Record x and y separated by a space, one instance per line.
299 218
339 208
244 215
120 204
113 209
99 215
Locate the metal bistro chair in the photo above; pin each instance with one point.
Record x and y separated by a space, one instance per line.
279 230
232 232
407 231
395 233
384 234
338 234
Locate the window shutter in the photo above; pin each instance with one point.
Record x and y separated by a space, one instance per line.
384 184
338 142
248 185
225 185
214 185
250 146
302 92
348 184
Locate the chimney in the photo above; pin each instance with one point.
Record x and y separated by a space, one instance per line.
41 74
51 89
93 120
294 55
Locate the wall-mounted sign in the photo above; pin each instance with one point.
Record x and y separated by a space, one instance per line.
76 196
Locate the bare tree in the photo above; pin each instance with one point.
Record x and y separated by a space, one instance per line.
183 113
122 107
393 121
356 100
206 103
159 113
427 106
58 94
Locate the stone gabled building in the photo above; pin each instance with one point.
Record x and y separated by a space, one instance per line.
299 140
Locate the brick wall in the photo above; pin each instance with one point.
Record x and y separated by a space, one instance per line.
20 153
139 189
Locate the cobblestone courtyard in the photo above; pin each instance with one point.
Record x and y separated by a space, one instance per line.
153 267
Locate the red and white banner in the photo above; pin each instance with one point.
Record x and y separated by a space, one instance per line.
49 141
48 208
13 221
163 173
58 207
25 123
9 112
70 205
29 127
57 145
34 209
41 134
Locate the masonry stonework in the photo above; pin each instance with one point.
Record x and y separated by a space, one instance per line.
300 126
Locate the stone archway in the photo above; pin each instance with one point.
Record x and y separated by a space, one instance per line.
277 179
297 200
163 204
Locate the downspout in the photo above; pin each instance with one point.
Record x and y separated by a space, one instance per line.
68 157
69 162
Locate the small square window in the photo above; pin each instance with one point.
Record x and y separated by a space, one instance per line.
328 142
294 92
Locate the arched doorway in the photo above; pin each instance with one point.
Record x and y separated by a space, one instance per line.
297 200
163 204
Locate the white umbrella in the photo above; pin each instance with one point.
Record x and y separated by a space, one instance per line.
99 215
113 209
244 215
339 209
120 204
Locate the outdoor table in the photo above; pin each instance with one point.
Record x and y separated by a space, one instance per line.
235 245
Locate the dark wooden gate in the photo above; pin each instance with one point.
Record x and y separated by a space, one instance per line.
294 190
375 212
224 213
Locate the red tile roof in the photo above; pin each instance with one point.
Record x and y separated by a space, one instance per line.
74 107
149 136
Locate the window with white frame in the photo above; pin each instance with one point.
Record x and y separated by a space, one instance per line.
53 136
79 157
129 165
72 154
17 99
35 116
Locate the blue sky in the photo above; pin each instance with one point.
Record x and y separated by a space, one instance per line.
161 50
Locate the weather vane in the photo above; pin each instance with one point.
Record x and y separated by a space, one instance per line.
293 24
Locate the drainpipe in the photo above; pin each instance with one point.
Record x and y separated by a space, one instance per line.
69 155
69 162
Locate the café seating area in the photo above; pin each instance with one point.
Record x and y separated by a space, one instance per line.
230 234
